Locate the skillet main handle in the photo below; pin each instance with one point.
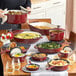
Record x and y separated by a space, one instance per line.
35 47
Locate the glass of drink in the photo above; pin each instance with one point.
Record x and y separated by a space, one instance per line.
17 64
9 67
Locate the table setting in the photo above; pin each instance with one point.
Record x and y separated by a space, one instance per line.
33 46
39 52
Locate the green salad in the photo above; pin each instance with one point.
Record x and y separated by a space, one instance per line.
49 45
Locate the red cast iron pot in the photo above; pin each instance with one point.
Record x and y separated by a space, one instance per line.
56 36
26 41
39 59
16 19
58 68
32 69
64 55
42 31
48 51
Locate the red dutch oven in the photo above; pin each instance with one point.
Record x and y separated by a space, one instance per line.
56 34
58 68
64 55
16 19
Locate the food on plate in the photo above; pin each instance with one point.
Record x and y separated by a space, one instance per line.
19 55
27 35
65 51
58 63
40 55
32 67
43 27
15 13
13 44
49 45
15 51
22 47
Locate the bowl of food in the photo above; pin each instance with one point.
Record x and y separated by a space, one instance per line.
58 65
41 27
39 57
65 53
21 56
56 34
32 67
27 37
16 17
48 47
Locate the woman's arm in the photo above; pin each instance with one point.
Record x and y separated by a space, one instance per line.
1 11
28 3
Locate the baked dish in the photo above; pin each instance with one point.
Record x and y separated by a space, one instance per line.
42 27
39 57
58 63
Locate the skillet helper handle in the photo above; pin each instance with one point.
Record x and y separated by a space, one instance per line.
50 67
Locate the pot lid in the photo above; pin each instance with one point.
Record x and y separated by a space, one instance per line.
58 28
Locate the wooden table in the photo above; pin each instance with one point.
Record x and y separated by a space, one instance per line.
5 57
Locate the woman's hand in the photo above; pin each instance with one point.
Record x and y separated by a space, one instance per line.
1 15
29 9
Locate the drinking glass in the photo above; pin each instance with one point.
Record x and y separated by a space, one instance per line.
9 67
17 64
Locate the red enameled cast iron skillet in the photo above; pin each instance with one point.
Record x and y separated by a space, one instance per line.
37 58
32 69
58 68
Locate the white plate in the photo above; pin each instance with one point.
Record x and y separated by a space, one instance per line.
25 70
